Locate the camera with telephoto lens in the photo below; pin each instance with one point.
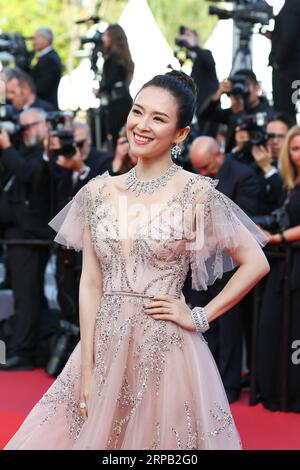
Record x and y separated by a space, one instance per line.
182 43
185 51
60 124
96 39
245 11
97 50
275 222
9 120
13 48
240 86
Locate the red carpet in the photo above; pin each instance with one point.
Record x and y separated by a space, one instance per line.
259 428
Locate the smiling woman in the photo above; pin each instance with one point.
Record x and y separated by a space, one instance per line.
140 341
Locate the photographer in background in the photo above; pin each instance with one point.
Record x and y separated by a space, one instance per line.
21 91
270 327
244 92
203 73
47 72
72 173
263 158
26 179
117 74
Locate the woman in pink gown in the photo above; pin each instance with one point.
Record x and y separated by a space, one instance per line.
142 376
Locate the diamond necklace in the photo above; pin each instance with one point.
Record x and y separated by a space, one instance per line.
148 186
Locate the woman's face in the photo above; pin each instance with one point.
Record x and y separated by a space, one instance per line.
295 151
152 123
106 39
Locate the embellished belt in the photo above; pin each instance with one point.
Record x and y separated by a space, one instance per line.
127 293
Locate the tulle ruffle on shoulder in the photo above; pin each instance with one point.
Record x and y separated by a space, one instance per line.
71 221
221 227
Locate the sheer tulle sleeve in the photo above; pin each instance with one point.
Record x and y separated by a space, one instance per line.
220 227
70 222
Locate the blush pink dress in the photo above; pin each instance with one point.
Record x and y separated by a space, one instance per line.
155 385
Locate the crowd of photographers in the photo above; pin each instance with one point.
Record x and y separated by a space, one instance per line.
47 156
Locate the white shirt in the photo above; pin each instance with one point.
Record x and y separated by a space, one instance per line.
45 51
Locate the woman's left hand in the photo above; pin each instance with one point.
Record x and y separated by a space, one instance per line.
165 307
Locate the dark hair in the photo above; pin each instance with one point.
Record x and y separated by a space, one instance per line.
119 46
21 77
282 117
249 74
184 90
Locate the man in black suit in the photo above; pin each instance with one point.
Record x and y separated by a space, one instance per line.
21 91
285 56
47 72
26 177
238 182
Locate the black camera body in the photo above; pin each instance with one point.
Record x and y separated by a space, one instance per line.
96 39
185 50
182 43
13 46
245 11
60 128
67 143
98 44
275 222
240 86
9 119
255 125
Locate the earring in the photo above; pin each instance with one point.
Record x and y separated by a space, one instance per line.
176 151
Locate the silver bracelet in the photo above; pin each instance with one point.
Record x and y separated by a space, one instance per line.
199 319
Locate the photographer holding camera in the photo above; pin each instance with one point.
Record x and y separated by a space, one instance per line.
75 161
270 328
260 146
244 92
26 197
203 73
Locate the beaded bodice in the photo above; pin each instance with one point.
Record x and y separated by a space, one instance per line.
146 244
154 259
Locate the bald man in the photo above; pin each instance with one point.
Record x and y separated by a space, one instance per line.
236 180
225 336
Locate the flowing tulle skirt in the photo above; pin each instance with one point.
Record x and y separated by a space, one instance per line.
155 386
